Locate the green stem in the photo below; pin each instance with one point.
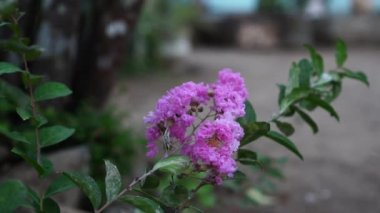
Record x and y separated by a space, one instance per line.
34 112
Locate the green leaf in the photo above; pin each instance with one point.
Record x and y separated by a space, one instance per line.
294 74
23 113
54 134
247 157
44 167
50 206
324 105
305 74
7 68
13 194
51 90
284 141
61 184
355 75
258 197
296 95
29 79
88 185
254 131
250 114
307 119
150 182
316 60
144 204
285 127
173 195
172 164
281 94
341 53
15 136
112 181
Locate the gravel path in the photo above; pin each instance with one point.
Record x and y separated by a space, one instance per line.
340 172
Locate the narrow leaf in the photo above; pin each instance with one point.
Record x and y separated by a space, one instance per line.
172 164
51 90
23 113
307 119
254 131
247 157
341 53
54 134
88 185
356 75
142 203
112 181
13 194
305 74
7 68
284 141
285 127
44 167
61 184
281 94
324 105
293 97
316 60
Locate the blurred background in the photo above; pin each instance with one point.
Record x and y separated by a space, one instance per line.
120 56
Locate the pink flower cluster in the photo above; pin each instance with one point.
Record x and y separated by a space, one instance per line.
208 140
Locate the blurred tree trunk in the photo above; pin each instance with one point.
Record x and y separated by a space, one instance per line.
85 42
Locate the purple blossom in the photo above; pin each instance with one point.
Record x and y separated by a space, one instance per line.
172 112
229 94
211 144
215 143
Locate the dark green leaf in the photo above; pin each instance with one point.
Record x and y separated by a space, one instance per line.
172 164
150 182
285 127
308 120
61 184
50 206
13 194
254 131
250 114
355 75
281 94
6 68
305 74
44 167
51 90
247 157
173 195
23 113
341 53
284 141
296 95
15 136
324 105
142 203
112 181
29 79
316 60
88 185
54 134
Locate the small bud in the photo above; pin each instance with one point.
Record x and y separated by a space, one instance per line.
200 109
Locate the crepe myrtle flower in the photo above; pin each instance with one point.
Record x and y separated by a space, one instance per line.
208 139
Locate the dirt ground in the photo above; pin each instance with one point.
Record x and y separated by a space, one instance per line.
341 171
